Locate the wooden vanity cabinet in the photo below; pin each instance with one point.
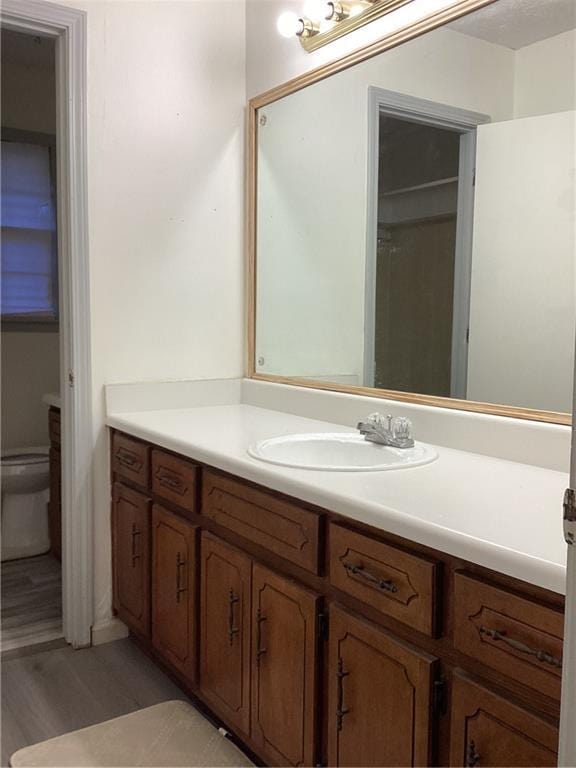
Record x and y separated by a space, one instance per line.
174 590
379 688
489 730
131 557
318 640
225 610
55 503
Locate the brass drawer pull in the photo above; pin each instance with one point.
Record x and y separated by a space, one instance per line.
127 459
168 479
135 555
501 636
472 757
232 630
358 570
341 711
180 563
260 651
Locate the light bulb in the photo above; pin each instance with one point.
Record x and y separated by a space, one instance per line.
289 25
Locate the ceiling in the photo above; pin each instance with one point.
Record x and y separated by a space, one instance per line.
517 23
27 50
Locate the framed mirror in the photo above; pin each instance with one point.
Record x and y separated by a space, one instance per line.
412 223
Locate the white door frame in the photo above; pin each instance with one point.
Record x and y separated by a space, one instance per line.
67 27
567 746
461 121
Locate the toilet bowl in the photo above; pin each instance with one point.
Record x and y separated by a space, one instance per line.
25 482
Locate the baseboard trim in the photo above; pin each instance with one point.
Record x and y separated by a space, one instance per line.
107 631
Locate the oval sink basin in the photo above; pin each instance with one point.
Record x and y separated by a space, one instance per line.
339 452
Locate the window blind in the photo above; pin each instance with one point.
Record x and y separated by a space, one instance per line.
29 257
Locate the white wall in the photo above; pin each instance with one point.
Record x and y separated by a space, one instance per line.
523 301
29 370
312 194
545 79
166 95
30 360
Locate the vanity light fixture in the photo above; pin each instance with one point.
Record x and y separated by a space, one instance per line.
322 22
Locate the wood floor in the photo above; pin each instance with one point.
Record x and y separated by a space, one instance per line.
53 692
31 601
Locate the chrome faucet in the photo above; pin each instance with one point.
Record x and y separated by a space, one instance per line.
386 430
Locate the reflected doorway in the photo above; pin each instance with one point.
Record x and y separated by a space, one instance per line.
417 215
419 250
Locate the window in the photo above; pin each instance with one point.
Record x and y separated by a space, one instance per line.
29 251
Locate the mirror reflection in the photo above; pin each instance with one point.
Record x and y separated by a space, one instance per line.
416 216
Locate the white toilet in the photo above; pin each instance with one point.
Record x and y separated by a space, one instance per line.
25 483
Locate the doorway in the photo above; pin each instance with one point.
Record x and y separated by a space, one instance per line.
65 29
421 158
417 216
31 538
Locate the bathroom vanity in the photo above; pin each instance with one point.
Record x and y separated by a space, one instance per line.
394 243
316 637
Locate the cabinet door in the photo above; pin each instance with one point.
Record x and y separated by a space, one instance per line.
488 730
131 557
379 696
284 649
173 590
225 630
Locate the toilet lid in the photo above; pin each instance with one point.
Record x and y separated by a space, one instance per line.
24 458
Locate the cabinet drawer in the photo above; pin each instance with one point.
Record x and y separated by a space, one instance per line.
174 479
395 582
511 634
54 427
284 528
131 459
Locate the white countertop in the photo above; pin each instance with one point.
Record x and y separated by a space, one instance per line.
52 399
499 514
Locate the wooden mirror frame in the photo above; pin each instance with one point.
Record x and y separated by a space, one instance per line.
393 40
